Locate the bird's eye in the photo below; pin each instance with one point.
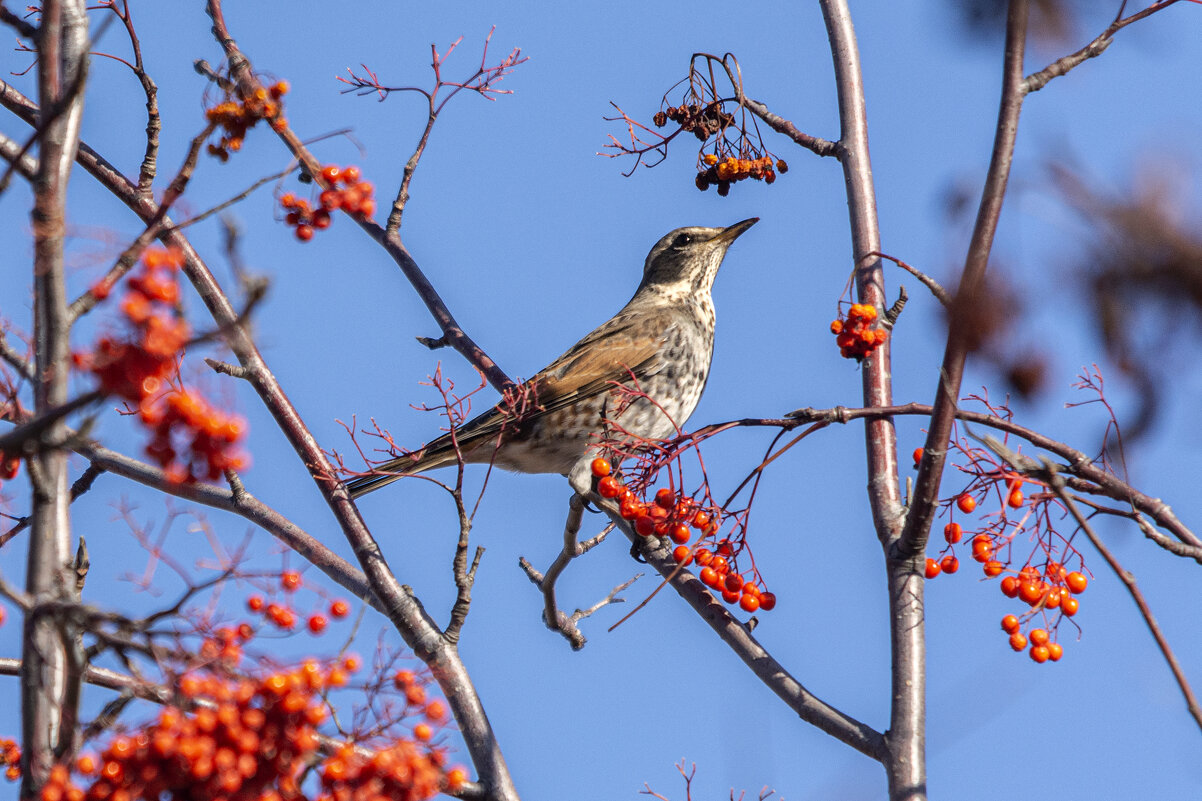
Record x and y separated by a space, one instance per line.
681 240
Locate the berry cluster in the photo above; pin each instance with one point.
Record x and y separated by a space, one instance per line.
701 121
191 439
722 173
1047 590
676 516
10 759
140 367
235 118
854 334
237 738
283 616
356 198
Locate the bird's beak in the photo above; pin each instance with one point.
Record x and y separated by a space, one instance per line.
732 233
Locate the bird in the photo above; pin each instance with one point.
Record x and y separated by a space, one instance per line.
636 377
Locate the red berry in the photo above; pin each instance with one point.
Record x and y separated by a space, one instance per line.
932 568
767 601
966 503
949 564
601 467
608 487
665 498
952 532
339 609
1010 624
317 623
749 602
1076 582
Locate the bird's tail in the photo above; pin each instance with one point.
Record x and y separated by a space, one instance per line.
433 455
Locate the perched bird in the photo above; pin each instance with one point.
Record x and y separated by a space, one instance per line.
638 376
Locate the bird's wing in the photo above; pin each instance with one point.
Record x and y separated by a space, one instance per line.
610 355
616 353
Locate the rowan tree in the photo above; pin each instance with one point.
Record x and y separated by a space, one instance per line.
206 340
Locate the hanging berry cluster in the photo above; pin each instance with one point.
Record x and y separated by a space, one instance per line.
10 759
191 438
1047 590
731 169
236 117
140 366
677 516
282 614
356 197
249 739
854 334
701 121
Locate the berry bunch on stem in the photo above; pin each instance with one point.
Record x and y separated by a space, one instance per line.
345 190
679 517
191 438
237 114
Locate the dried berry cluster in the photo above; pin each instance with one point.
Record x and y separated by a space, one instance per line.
356 198
238 738
701 121
236 117
191 438
854 334
731 169
676 516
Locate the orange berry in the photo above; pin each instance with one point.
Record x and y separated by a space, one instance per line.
254 603
1040 653
680 533
1076 582
423 732
1010 624
709 576
1030 592
1069 605
917 456
1017 641
456 778
952 532
932 568
1055 651
330 173
682 555
700 520
949 564
304 232
290 580
1039 637
339 608
317 623
966 503
993 568
1015 499
749 602
601 467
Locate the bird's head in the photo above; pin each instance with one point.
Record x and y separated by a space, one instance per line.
689 258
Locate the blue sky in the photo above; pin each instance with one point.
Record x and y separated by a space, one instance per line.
533 239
